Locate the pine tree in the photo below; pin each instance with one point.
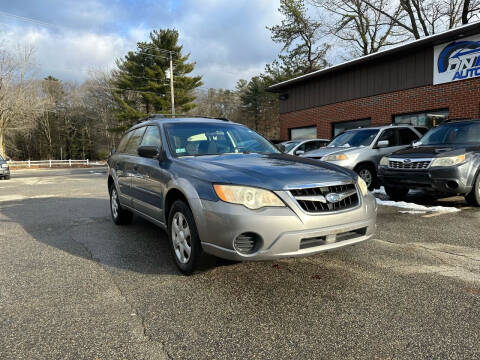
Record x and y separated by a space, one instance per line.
141 85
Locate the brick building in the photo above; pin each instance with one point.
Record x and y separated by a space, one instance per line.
421 83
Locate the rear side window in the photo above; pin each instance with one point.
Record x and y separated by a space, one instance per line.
123 143
151 137
134 141
407 136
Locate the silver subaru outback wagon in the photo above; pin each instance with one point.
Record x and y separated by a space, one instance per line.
220 188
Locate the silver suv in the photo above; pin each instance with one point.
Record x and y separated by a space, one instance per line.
220 188
361 149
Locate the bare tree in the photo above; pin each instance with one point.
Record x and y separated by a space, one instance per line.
100 100
422 18
366 29
19 97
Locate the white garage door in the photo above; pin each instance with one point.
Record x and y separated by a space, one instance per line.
304 133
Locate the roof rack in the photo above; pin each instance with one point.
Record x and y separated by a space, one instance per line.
169 116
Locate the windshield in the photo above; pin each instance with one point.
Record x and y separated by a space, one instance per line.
354 138
289 145
197 139
451 134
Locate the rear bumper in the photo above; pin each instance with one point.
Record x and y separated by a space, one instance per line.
284 232
448 180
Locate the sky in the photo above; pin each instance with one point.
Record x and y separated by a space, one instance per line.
227 39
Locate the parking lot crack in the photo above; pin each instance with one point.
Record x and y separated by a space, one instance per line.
158 347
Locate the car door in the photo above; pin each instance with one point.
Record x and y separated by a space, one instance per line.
118 167
129 162
390 135
150 180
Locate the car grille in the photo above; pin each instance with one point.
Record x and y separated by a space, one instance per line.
313 200
422 164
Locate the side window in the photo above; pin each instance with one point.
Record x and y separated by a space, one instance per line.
151 137
123 143
302 147
312 145
134 141
407 136
388 135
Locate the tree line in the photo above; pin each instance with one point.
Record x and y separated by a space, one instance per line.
52 119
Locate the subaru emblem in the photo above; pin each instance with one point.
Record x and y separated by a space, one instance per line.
407 161
333 197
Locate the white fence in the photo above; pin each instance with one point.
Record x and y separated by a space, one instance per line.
48 163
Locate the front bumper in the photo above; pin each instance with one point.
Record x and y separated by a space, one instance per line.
283 231
445 180
4 172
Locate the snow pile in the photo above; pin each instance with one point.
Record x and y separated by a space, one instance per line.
380 191
417 207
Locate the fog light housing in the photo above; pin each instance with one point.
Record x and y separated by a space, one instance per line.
247 243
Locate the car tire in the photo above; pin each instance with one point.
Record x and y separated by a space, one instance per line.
368 174
6 177
395 193
183 238
473 197
120 216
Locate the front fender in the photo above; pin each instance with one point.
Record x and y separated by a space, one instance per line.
193 193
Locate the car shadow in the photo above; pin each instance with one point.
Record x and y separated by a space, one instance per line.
82 227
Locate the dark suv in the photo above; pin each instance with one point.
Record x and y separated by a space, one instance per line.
445 161
220 188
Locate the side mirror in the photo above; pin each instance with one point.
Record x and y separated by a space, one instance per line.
299 152
151 152
416 143
383 144
281 147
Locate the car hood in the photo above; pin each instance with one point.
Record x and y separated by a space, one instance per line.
434 151
269 171
328 150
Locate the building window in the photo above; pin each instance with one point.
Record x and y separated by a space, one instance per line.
426 118
309 132
340 127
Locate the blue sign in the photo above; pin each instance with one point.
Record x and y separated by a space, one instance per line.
458 60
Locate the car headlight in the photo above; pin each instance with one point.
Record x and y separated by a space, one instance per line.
335 157
362 185
384 161
5 166
448 161
252 198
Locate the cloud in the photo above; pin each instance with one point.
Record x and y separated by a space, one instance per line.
228 40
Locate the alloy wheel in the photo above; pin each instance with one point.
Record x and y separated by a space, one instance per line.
366 175
114 203
181 238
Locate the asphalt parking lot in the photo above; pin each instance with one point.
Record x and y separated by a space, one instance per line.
73 285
